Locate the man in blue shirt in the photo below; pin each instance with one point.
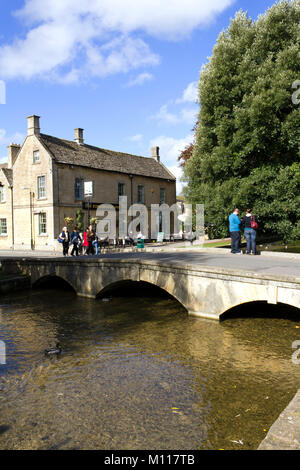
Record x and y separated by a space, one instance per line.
235 232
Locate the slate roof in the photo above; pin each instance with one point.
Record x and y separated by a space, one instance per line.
69 152
7 172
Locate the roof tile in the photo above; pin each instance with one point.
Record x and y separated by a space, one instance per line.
68 152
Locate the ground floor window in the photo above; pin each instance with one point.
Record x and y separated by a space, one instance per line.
42 223
3 227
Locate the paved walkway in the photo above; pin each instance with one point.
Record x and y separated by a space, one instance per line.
280 266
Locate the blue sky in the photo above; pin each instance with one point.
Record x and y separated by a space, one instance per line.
124 70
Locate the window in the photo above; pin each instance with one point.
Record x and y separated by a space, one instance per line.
41 187
42 223
3 227
79 189
121 189
36 156
141 195
162 196
2 193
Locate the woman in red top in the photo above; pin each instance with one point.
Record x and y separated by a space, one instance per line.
85 241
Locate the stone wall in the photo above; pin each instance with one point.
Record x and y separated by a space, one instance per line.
27 205
6 241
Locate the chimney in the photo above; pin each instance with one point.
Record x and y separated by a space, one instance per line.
33 125
13 150
79 136
155 153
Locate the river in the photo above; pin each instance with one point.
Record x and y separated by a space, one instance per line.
137 372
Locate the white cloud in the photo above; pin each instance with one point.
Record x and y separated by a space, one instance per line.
170 149
135 138
185 115
164 115
5 140
16 138
140 79
178 173
70 39
2 135
190 94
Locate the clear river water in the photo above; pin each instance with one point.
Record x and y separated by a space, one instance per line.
137 372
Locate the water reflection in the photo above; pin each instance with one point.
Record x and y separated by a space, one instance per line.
138 373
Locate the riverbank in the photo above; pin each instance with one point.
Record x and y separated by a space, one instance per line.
284 434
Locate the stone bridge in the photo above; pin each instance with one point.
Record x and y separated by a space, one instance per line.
205 291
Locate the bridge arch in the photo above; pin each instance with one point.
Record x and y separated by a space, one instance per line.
128 284
261 308
53 280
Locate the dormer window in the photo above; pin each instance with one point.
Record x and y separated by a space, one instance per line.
36 156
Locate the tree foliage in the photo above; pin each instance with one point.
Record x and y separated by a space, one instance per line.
247 147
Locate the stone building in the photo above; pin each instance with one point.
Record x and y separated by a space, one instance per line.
43 183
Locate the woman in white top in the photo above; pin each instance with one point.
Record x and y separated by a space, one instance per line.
65 236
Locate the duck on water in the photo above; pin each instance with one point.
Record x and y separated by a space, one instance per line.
53 351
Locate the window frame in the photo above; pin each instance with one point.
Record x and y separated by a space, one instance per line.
141 187
162 201
41 223
3 234
81 189
41 187
2 187
33 157
123 192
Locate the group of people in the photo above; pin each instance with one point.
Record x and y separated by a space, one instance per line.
249 223
86 243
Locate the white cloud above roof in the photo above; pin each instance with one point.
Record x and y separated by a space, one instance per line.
71 40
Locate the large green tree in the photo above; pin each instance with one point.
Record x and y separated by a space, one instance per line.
247 148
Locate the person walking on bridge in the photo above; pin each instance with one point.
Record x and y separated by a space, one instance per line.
75 239
90 235
235 232
65 236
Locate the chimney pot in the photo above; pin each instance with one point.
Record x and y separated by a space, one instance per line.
79 136
33 125
155 153
13 150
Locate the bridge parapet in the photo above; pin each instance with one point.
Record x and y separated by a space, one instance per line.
204 291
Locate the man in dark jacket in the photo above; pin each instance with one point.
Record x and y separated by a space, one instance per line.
75 239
